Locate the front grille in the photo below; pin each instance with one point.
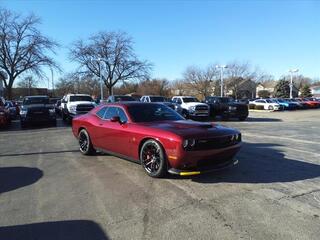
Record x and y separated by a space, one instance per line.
216 143
38 112
201 108
84 108
242 108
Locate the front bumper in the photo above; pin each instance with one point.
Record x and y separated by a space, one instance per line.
37 119
217 167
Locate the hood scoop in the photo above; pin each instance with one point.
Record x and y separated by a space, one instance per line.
206 125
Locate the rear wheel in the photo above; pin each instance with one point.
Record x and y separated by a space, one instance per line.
85 144
153 159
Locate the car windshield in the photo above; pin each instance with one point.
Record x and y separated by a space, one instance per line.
81 98
35 100
157 99
270 101
190 99
152 113
123 98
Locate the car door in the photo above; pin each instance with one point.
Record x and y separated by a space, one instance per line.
113 136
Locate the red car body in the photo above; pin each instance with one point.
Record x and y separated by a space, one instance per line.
310 103
4 114
215 146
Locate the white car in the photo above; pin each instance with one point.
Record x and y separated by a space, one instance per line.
191 106
267 104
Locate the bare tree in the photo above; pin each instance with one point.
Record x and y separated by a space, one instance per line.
28 82
115 51
154 87
23 47
201 79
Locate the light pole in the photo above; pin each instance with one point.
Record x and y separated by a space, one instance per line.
221 77
291 71
99 60
52 82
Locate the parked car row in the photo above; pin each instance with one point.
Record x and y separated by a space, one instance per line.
191 107
278 104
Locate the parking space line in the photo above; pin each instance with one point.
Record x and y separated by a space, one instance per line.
280 138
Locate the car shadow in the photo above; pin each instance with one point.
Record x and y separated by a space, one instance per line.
259 119
60 230
15 126
262 163
12 178
36 153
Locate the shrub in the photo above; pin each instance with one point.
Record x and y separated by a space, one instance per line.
259 107
252 106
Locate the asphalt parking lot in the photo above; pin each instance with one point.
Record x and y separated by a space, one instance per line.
48 190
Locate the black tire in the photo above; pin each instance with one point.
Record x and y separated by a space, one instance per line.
23 124
270 108
64 117
185 114
85 144
157 166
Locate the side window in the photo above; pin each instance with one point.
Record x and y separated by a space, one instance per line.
179 101
142 99
111 112
101 112
122 115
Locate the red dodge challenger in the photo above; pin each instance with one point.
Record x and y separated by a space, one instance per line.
157 137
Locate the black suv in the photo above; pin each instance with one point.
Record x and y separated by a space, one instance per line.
37 109
226 108
120 98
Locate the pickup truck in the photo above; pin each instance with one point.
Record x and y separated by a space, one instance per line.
76 104
192 107
226 108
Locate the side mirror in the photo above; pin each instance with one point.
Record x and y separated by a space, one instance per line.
115 119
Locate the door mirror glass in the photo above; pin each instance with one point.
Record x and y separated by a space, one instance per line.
115 119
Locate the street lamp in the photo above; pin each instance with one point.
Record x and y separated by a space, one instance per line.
221 77
99 60
291 71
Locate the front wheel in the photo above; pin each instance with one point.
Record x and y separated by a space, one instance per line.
153 159
185 114
85 144
270 107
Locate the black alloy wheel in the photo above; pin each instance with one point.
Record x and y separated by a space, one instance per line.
153 159
85 144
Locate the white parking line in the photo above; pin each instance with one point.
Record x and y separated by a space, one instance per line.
280 138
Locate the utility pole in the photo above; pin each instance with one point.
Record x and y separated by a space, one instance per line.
221 77
291 71
99 60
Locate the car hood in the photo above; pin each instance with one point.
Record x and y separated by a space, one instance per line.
80 102
192 129
191 104
37 106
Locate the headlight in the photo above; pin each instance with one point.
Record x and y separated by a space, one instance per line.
72 108
188 143
192 108
23 112
232 108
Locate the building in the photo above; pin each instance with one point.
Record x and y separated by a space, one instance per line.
270 86
243 88
315 91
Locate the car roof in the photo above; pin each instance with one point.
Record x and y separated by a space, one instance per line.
37 96
130 103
